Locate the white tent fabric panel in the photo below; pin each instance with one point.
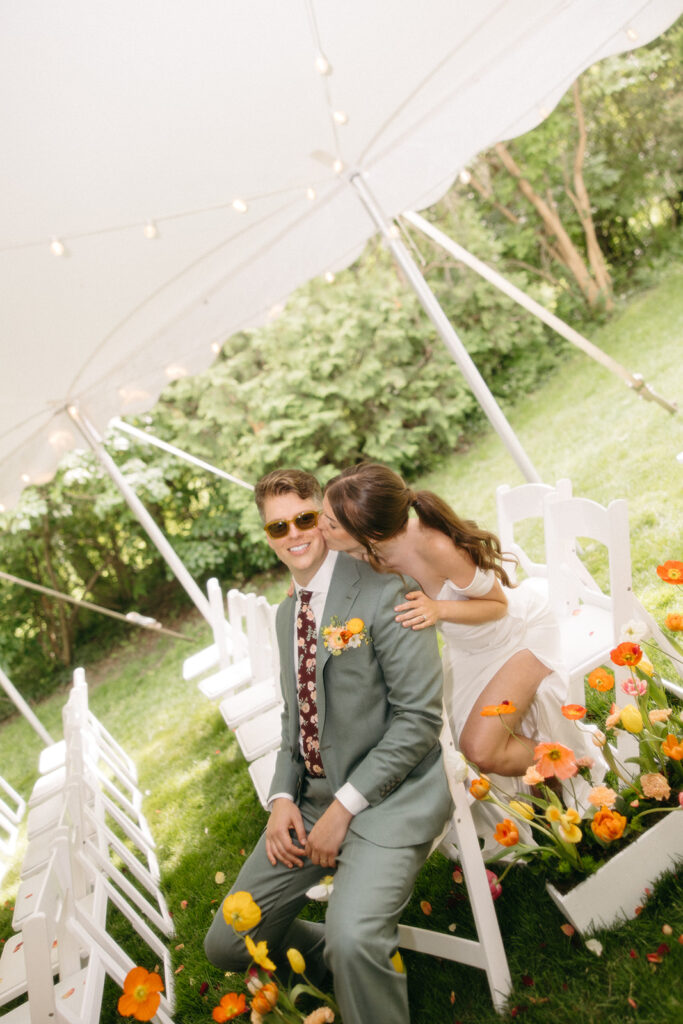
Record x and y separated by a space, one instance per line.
117 114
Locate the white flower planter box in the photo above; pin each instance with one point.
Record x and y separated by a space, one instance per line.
615 890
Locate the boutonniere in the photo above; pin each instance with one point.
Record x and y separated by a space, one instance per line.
340 635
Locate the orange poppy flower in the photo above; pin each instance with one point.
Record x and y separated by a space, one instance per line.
673 747
626 653
555 759
506 833
674 622
671 572
608 825
230 1006
600 679
506 707
265 999
573 711
479 787
141 996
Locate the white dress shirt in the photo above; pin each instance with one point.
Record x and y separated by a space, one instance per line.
348 795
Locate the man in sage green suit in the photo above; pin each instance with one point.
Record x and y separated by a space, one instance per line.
370 820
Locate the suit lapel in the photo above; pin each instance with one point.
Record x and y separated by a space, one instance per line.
344 587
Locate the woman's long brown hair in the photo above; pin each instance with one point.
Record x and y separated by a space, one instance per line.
372 503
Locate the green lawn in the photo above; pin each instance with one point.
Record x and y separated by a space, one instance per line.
584 424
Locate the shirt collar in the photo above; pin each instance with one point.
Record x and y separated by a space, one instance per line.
320 583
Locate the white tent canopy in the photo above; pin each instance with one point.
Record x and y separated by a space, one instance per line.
212 127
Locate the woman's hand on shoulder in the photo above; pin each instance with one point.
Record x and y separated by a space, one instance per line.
418 612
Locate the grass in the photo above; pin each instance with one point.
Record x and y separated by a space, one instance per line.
583 423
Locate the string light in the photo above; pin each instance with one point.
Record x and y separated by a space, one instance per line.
337 166
2 507
632 34
275 311
25 478
150 230
465 177
341 117
393 231
543 111
61 439
175 372
329 276
239 205
57 248
322 65
215 347
72 410
310 194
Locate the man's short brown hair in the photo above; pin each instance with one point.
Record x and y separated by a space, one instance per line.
286 481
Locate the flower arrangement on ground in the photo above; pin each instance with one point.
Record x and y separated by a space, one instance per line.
573 828
270 999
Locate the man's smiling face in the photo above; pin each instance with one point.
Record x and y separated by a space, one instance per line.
302 551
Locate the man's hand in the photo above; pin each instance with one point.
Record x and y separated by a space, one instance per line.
285 815
327 835
419 612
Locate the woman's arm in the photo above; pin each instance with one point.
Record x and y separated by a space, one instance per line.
448 562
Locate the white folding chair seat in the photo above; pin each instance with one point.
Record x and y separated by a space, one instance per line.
261 734
14 806
215 686
261 771
248 703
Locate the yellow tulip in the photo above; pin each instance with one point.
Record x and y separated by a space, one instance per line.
631 718
296 961
397 963
525 810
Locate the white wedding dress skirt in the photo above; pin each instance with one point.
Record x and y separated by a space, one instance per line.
471 657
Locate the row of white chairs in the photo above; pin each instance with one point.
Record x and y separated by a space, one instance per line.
90 860
590 619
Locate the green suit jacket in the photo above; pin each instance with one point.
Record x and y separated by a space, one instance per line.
379 710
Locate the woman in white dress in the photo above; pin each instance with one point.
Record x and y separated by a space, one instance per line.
501 643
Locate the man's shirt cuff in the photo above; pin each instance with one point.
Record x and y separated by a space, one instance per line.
279 796
351 799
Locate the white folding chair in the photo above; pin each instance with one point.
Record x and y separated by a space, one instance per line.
517 505
263 690
14 810
260 734
220 651
486 951
237 671
261 771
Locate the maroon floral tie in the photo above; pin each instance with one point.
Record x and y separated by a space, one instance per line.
307 644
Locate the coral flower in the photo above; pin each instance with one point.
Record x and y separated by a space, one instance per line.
265 999
659 714
599 738
259 953
608 825
240 911
555 759
626 653
296 961
506 707
674 621
631 718
673 747
573 711
230 1006
600 679
671 572
323 1015
532 776
141 994
602 796
479 787
655 786
613 718
506 833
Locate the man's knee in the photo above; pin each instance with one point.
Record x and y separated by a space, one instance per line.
224 948
350 938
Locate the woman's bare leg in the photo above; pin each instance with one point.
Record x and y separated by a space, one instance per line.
494 744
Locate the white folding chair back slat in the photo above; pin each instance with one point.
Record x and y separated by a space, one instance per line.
515 505
14 807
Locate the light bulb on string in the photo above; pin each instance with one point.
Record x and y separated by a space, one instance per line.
239 205
632 34
150 230
340 117
322 65
25 478
57 247
337 166
310 193
329 276
215 347
464 177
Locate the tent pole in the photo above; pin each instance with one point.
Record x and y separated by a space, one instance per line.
634 380
447 333
23 707
140 512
